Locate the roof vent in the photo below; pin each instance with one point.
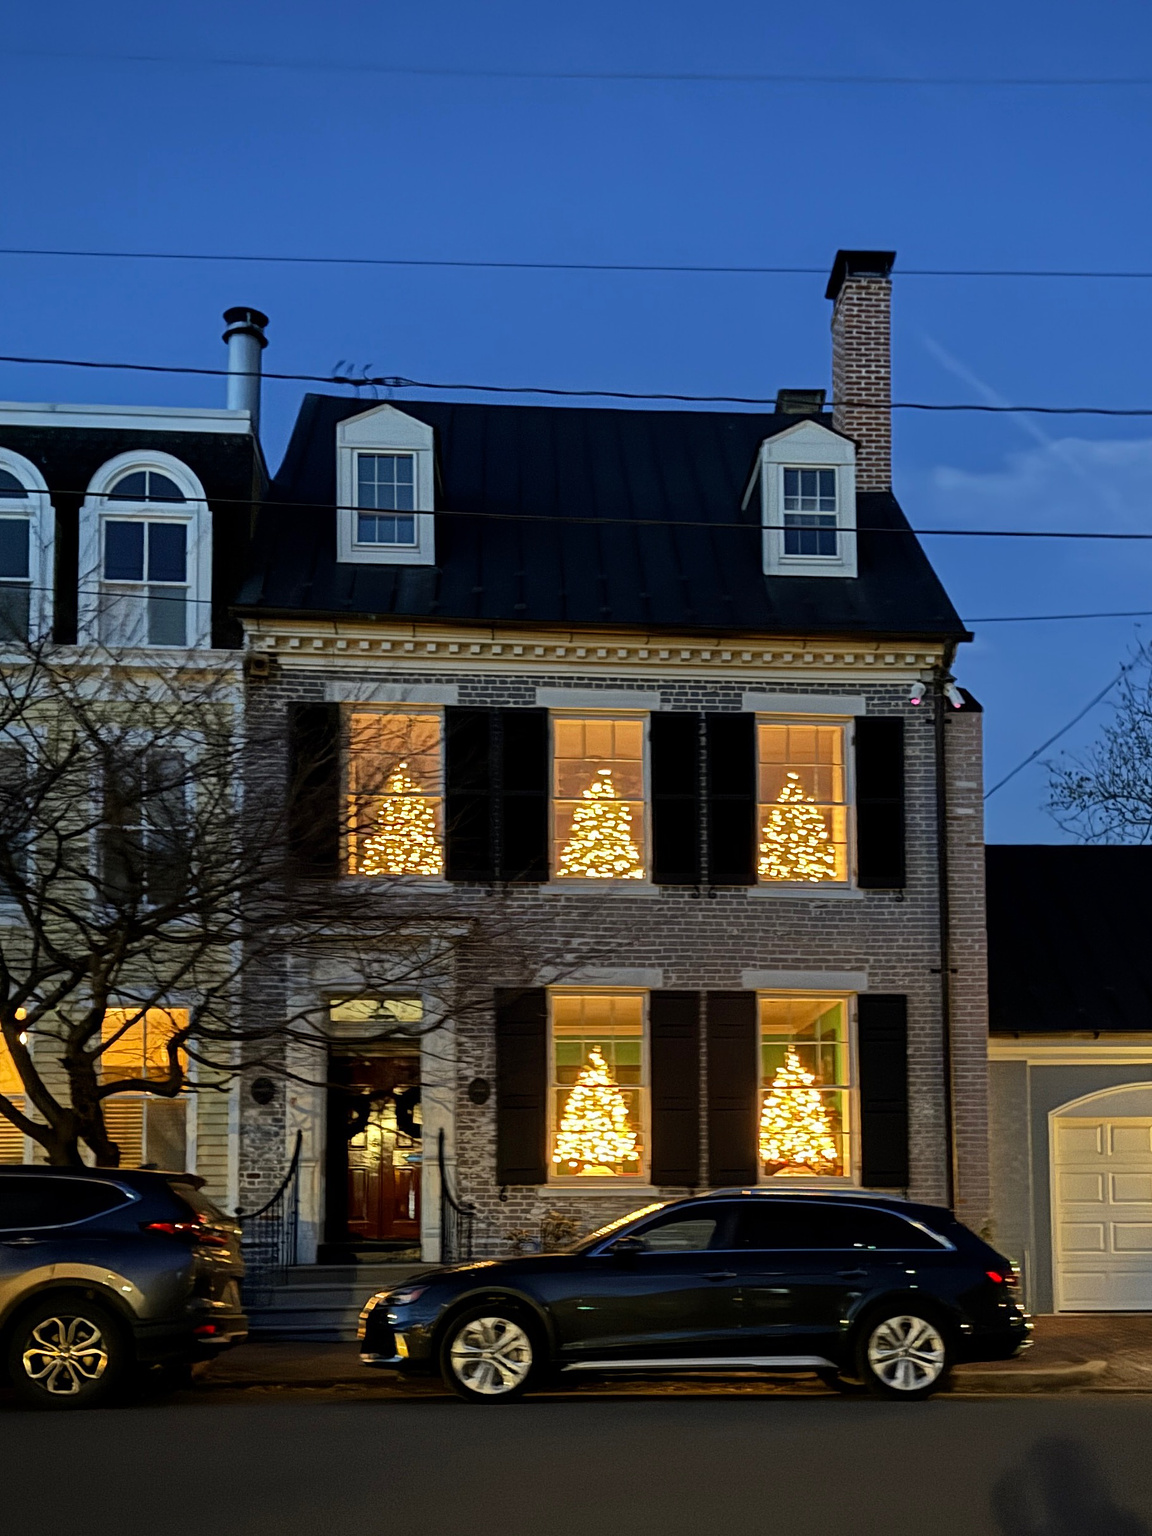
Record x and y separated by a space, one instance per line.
799 402
246 340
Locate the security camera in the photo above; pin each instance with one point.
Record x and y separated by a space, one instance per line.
953 695
917 694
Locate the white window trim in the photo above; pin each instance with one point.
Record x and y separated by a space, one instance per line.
193 513
384 430
808 445
850 1179
807 887
622 1185
37 509
580 882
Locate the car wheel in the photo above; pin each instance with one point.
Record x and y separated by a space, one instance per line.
68 1352
848 1386
903 1355
490 1354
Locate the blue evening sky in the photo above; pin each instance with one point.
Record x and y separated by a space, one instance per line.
327 158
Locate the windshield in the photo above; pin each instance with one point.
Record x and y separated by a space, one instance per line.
601 1233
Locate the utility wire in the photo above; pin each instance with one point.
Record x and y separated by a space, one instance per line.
397 381
562 266
1063 731
622 76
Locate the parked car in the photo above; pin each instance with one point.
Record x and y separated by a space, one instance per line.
103 1272
866 1291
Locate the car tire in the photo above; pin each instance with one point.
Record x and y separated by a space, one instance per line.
491 1354
68 1352
903 1353
847 1386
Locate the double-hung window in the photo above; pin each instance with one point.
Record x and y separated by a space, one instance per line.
386 499
598 1112
598 830
135 1045
810 513
802 836
144 564
395 812
15 563
805 1122
144 853
12 1087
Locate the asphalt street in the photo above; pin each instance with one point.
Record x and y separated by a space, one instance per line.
1076 1466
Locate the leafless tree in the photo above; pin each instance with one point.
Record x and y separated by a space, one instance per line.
148 878
1105 794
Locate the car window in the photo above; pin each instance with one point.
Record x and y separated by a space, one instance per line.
681 1232
54 1202
810 1224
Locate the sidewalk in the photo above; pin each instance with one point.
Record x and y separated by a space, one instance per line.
1102 1351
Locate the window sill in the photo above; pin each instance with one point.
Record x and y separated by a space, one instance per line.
807 892
600 887
596 1187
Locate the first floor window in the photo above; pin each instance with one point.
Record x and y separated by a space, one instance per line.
385 498
599 1087
12 1087
146 1130
144 586
810 512
395 796
805 1088
598 798
803 815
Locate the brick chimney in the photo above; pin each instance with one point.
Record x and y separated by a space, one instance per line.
861 291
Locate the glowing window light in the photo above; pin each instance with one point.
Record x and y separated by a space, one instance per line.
796 1131
405 840
600 845
794 840
594 1130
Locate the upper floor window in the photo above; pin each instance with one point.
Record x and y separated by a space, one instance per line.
810 512
146 555
395 797
26 543
385 489
806 481
803 810
598 830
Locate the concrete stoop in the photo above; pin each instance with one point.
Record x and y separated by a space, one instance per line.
323 1301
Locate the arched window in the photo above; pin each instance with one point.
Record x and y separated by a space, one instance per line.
27 526
145 555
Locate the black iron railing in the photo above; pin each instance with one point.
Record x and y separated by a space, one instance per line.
457 1221
270 1235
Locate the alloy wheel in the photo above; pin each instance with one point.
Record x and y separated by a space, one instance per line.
907 1354
63 1355
491 1356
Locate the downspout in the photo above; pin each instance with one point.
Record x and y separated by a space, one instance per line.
940 677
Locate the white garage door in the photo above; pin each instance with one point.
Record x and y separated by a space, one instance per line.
1103 1215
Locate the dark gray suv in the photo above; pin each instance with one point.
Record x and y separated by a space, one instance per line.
104 1272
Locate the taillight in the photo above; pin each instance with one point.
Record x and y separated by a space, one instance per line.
1001 1279
193 1229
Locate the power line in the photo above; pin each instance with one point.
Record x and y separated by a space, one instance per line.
1055 618
562 266
397 381
1063 731
622 76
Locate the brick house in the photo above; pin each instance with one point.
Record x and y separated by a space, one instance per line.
676 687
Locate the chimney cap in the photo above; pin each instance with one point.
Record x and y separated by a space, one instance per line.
800 402
858 264
241 319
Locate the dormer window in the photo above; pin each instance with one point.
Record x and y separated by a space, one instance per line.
146 555
384 484
806 478
26 537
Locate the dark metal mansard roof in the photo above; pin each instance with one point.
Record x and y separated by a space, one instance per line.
535 466
1068 939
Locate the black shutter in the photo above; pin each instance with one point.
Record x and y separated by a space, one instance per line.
524 794
675 741
521 1086
879 802
469 825
674 1054
314 787
882 1050
733 1085
731 799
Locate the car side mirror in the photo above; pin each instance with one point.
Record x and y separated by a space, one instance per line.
627 1247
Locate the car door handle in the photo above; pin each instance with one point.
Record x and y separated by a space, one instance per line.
852 1274
22 1242
721 1274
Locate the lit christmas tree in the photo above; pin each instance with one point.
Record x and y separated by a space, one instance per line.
600 844
795 1126
794 839
594 1130
405 840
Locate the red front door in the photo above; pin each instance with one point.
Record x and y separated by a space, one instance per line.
384 1148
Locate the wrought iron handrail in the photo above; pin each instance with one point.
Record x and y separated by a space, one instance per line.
457 1221
270 1234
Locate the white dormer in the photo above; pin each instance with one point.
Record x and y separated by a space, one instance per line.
385 489
807 482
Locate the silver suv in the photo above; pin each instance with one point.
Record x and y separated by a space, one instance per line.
104 1273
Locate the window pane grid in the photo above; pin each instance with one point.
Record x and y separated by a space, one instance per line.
805 1089
803 812
810 512
598 798
395 796
598 1098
